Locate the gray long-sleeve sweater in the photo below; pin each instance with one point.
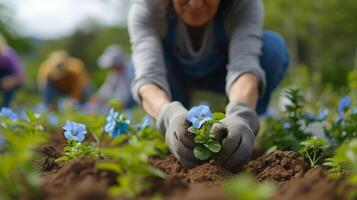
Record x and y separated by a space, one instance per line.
147 24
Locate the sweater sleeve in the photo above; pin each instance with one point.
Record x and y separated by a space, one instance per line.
245 44
146 47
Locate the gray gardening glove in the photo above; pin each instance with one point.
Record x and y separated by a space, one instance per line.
242 124
171 122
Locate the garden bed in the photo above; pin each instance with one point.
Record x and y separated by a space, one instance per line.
79 179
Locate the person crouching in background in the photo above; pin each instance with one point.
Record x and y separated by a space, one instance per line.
63 76
11 72
117 83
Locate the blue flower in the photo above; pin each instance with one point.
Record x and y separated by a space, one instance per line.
116 124
287 125
199 115
7 112
323 114
345 103
75 131
147 121
309 116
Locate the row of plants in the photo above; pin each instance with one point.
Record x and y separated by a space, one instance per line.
113 140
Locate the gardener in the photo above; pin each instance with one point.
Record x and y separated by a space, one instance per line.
117 83
63 76
11 72
218 45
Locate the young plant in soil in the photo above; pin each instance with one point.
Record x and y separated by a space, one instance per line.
209 142
76 148
315 150
128 155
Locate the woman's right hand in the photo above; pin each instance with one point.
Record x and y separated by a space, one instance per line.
171 122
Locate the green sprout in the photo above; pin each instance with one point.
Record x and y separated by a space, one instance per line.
314 150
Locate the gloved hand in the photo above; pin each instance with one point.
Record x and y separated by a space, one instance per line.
171 122
242 124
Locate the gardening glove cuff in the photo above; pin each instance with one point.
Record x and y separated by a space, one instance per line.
248 117
168 113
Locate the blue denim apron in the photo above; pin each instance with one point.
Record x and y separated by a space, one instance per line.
209 72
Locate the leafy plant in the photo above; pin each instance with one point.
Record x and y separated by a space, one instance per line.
287 132
345 126
76 148
314 150
241 186
128 157
19 176
202 122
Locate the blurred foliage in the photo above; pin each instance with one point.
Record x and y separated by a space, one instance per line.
19 173
240 188
324 41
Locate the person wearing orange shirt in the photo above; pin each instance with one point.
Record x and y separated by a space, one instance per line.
61 75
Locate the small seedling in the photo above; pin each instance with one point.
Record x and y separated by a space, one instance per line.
202 121
314 150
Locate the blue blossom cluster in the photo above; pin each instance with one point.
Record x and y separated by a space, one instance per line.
7 112
116 124
75 131
198 115
344 105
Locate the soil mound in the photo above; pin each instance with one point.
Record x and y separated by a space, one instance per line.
314 185
279 166
209 173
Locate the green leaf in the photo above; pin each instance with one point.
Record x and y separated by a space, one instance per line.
30 115
200 139
218 115
202 153
62 159
118 140
214 146
109 167
193 130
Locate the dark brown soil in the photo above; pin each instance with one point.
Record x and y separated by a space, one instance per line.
314 185
209 173
80 180
278 166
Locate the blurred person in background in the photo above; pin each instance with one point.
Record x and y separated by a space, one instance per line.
117 83
63 76
217 45
11 72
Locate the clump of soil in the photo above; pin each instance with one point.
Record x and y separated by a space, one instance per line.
209 173
279 166
78 179
315 184
48 162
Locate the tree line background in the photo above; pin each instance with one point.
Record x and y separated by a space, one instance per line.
321 35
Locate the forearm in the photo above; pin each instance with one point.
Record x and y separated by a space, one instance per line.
153 99
245 89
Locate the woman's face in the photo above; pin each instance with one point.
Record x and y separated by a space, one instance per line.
196 13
